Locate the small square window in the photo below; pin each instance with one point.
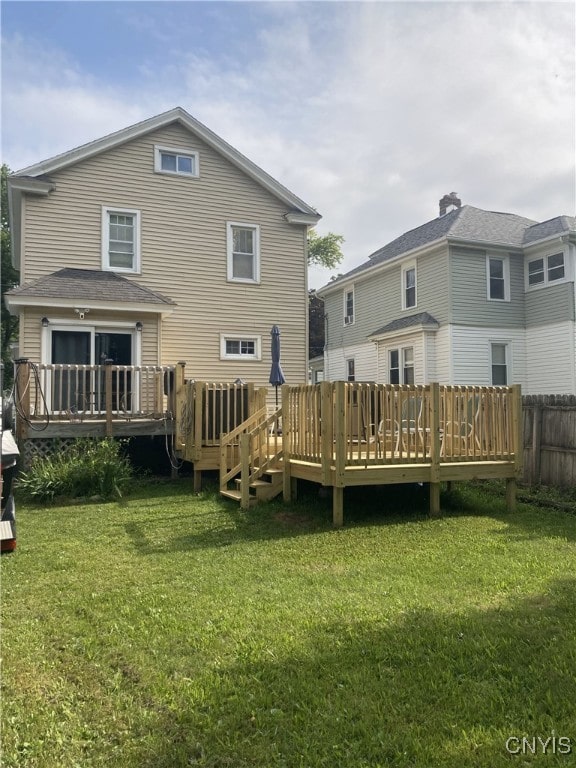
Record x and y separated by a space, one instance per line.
555 267
536 272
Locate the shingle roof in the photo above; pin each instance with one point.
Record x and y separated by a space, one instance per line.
89 285
548 228
465 223
421 318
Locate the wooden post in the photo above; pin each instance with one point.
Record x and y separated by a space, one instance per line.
434 450
340 459
198 395
536 444
159 394
327 427
178 397
245 470
338 506
197 479
286 444
108 396
22 398
517 429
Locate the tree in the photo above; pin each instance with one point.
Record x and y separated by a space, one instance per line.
8 279
324 250
316 329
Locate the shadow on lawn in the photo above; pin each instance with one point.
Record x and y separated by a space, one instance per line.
312 513
428 690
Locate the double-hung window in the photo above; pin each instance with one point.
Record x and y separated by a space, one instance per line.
498 282
499 363
401 374
243 252
120 239
350 369
546 270
182 162
349 307
409 286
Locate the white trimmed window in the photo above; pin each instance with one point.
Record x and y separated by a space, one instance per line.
243 245
120 239
349 307
401 374
409 286
546 270
499 363
179 162
350 369
498 278
239 347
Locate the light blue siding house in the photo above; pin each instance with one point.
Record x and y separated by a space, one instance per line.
471 297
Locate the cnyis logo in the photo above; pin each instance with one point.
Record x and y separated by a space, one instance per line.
539 745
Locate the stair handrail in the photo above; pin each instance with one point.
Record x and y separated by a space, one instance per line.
266 460
228 438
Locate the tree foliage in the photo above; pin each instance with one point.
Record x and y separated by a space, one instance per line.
324 250
316 330
8 279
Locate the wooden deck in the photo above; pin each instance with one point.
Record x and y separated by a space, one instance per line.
343 434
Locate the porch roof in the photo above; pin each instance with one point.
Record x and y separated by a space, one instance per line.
421 320
90 287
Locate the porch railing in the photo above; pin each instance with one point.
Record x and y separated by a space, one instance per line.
81 392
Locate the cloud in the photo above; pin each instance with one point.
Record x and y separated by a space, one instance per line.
368 111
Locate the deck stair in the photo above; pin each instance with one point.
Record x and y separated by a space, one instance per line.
258 475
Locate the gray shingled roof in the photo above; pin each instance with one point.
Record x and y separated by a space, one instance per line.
89 285
421 318
465 223
548 228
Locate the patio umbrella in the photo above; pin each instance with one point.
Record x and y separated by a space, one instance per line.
276 375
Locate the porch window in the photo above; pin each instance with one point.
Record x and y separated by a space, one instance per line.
408 365
120 240
394 373
243 252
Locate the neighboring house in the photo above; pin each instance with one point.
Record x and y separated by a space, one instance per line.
472 297
316 369
156 244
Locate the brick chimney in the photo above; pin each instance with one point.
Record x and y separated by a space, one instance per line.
449 203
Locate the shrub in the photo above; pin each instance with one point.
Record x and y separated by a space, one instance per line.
86 468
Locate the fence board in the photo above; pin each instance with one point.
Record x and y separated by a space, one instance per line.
550 439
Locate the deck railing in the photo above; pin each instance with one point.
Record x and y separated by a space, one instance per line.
363 424
63 392
212 409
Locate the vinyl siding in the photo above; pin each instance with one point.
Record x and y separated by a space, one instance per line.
551 305
364 360
443 346
471 354
378 300
419 345
470 304
551 354
183 250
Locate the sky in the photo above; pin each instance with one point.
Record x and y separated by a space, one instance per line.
368 111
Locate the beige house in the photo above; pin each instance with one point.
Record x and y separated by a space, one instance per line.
156 244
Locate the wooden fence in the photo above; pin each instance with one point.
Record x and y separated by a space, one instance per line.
549 439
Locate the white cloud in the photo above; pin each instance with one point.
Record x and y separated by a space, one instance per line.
368 111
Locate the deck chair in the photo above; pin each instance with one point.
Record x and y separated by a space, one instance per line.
458 436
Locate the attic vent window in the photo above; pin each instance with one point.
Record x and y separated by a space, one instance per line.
180 162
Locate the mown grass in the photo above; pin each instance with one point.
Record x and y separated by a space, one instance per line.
172 629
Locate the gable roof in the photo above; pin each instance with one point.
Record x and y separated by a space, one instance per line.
545 229
177 115
88 287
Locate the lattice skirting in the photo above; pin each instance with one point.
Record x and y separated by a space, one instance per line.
41 448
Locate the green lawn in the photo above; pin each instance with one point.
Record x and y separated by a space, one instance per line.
172 630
